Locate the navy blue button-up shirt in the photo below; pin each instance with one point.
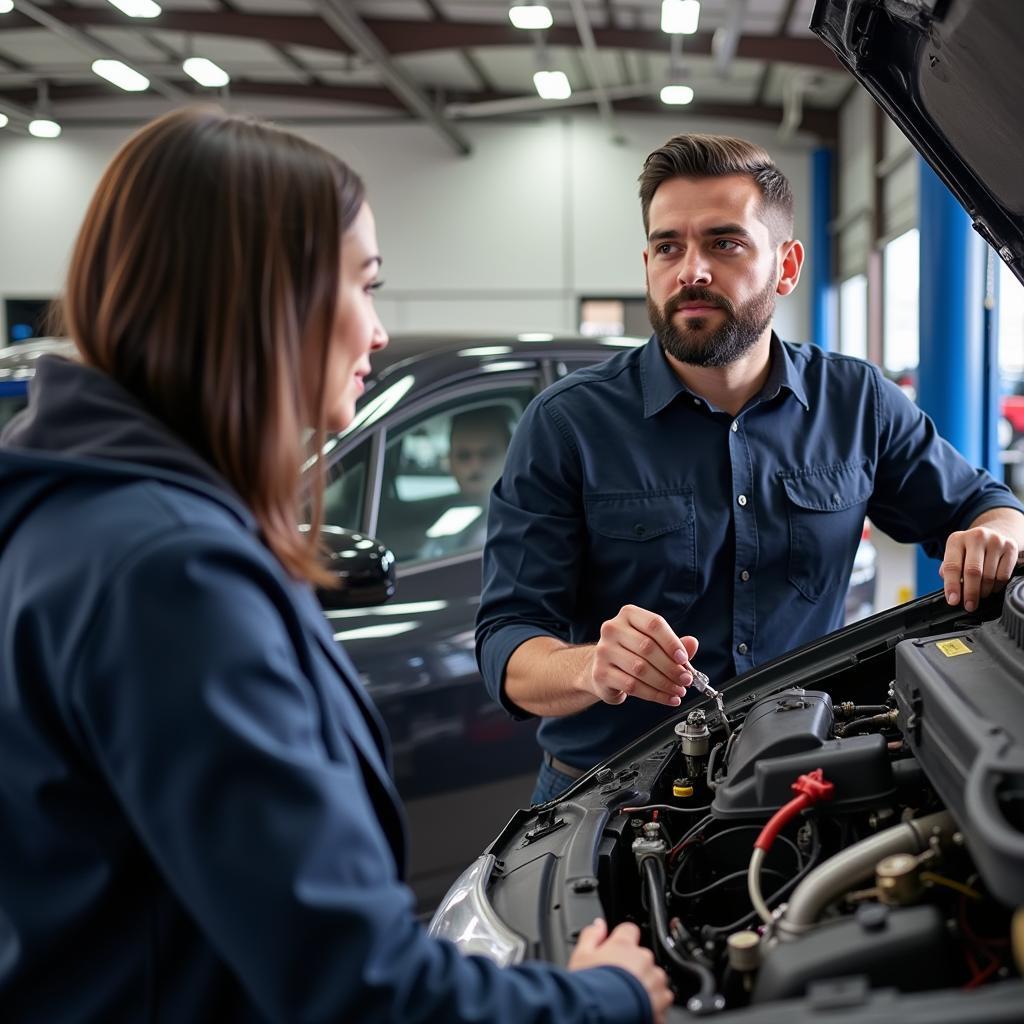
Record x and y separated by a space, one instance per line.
622 486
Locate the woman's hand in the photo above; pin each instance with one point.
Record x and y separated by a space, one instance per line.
596 948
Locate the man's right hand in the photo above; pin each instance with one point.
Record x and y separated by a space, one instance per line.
639 655
596 948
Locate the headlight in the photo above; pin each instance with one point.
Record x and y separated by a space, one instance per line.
467 918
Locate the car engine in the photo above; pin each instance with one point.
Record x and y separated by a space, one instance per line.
870 833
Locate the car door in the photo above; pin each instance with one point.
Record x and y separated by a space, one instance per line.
460 762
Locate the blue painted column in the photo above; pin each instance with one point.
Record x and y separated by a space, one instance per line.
992 389
953 372
820 251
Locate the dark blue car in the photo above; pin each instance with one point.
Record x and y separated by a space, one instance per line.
461 764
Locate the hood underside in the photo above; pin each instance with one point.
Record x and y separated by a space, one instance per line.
949 74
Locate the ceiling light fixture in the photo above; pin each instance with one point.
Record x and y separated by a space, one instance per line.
42 125
532 17
137 8
118 73
679 17
43 128
6 6
4 120
676 95
552 85
205 72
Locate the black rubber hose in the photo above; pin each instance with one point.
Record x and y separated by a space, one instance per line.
705 999
857 724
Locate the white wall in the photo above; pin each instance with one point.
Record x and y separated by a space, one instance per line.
507 240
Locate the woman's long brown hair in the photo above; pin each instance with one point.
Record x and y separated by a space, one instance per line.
205 281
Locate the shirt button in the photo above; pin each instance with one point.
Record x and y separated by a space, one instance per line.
735 426
639 529
835 499
696 401
741 648
745 576
742 499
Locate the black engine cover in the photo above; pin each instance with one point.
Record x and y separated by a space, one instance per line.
907 948
961 703
785 736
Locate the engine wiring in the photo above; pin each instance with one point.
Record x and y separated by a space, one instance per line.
690 884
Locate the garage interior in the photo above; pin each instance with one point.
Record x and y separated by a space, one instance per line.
501 163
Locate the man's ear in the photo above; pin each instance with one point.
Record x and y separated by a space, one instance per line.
791 260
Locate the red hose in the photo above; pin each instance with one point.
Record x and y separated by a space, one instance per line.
810 788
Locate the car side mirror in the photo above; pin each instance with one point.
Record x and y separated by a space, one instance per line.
363 567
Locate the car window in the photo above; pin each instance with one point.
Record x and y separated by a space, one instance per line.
439 468
345 494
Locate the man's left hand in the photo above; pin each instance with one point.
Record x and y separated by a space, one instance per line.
981 559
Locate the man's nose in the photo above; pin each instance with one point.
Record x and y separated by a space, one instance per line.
693 269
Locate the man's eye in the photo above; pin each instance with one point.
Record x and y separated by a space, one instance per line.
726 244
664 249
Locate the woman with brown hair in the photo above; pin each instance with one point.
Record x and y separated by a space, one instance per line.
198 822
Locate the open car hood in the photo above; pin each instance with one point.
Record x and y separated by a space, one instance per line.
949 73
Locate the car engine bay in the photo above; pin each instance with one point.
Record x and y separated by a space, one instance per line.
867 834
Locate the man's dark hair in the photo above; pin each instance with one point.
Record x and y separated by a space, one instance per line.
713 156
488 418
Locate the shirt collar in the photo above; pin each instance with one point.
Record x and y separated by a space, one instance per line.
661 385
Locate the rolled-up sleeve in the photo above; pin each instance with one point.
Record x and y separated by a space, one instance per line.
924 488
531 562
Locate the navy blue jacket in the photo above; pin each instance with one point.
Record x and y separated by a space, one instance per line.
622 486
197 818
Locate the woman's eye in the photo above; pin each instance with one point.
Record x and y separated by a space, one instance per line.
374 286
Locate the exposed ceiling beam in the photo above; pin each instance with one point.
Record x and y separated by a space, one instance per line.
782 31
370 95
511 105
590 61
88 44
475 67
341 16
820 122
401 37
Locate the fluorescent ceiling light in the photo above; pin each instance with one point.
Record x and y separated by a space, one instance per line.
536 336
4 119
530 16
121 75
137 8
679 17
43 128
6 6
552 85
676 95
205 72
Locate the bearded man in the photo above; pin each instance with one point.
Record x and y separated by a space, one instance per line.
711 484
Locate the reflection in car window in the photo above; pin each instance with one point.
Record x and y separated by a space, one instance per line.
345 495
438 473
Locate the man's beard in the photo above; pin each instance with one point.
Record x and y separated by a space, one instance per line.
738 333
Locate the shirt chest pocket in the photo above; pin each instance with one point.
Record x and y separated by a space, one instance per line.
826 508
646 537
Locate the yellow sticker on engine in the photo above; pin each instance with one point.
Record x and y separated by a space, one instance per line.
951 648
